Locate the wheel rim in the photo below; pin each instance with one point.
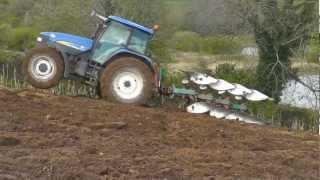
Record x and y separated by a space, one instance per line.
43 68
128 85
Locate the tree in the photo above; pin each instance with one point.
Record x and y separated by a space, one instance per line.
72 16
108 7
146 12
208 17
280 28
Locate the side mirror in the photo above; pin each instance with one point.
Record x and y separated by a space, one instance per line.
102 18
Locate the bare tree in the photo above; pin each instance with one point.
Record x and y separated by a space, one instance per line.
215 17
106 6
146 12
280 28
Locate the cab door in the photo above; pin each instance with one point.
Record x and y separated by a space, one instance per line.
114 38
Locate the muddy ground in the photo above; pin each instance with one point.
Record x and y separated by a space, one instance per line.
50 137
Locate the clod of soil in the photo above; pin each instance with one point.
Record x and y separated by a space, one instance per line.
50 137
116 125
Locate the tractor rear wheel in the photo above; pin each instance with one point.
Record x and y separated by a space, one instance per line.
43 67
127 80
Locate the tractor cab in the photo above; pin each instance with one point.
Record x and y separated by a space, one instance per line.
113 36
120 35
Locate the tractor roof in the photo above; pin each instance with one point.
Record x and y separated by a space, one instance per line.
132 24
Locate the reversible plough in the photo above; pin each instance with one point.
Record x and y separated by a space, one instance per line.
221 99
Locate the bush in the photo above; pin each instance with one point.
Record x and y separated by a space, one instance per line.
186 41
286 116
159 51
172 78
298 118
220 45
4 38
8 56
192 42
229 73
22 38
314 50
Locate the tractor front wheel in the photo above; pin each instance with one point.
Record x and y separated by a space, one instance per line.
127 80
43 67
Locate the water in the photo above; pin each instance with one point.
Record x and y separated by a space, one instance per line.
297 95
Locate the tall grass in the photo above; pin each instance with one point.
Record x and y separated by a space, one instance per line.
11 77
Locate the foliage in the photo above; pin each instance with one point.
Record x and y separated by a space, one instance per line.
280 27
72 16
187 41
229 73
172 78
5 30
159 51
215 17
313 52
220 45
22 38
286 116
8 56
146 12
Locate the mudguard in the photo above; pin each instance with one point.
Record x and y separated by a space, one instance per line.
78 43
126 52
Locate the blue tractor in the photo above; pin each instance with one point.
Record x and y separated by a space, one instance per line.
114 60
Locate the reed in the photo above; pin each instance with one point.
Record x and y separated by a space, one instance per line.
11 77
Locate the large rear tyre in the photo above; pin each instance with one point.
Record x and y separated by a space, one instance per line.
43 67
127 80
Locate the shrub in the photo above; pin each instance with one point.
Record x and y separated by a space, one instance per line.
4 38
229 73
192 42
314 50
22 38
160 51
286 116
172 78
298 118
8 56
186 41
220 45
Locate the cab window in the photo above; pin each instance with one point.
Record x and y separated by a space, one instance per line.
116 34
139 41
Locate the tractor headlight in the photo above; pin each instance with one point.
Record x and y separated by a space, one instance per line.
39 39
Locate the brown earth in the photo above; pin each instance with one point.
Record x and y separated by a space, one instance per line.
50 137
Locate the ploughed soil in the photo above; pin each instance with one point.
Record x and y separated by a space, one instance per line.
50 137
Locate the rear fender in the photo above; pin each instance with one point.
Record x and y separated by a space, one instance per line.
122 53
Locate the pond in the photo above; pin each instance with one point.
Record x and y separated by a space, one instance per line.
297 95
